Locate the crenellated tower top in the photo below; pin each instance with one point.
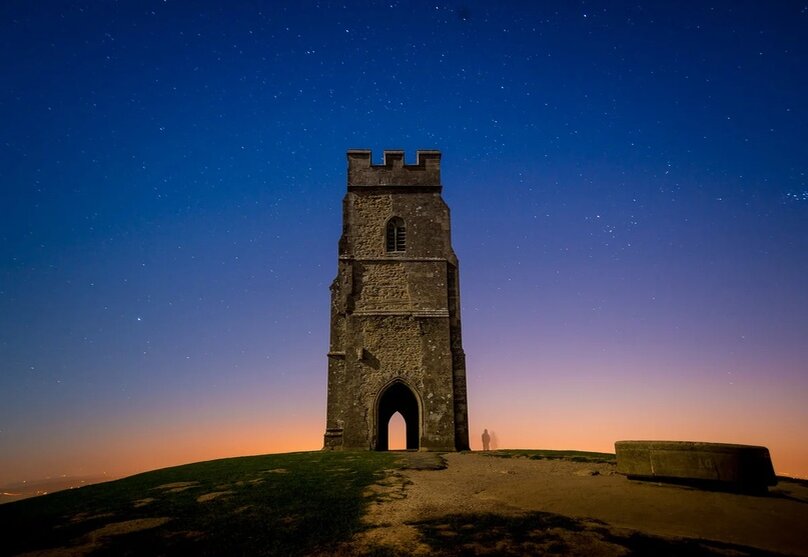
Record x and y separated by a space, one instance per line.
393 171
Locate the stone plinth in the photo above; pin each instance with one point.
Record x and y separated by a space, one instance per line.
735 467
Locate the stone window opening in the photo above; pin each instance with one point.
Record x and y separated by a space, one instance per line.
396 235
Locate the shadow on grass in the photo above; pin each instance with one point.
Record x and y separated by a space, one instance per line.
289 504
540 533
417 460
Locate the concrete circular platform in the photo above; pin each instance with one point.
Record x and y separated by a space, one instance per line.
719 465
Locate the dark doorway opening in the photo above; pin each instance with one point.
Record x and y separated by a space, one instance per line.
398 398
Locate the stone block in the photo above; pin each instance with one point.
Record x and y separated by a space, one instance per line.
721 465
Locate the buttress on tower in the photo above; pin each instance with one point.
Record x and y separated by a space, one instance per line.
395 311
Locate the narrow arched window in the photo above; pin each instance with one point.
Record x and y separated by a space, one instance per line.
396 235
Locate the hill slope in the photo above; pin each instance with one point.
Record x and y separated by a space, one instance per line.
264 505
404 503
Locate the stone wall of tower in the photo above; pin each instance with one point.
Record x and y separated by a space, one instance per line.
395 316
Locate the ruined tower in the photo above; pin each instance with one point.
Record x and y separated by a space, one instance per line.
395 311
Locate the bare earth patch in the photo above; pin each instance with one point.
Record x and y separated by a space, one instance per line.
143 502
187 534
95 539
584 508
176 487
76 551
84 517
212 495
126 527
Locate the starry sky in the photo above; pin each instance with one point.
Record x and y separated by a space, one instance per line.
628 193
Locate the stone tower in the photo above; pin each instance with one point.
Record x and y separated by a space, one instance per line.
395 311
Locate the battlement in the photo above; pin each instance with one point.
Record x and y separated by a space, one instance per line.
393 171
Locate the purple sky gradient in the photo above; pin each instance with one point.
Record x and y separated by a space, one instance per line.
628 193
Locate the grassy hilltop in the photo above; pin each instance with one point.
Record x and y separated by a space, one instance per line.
287 504
345 503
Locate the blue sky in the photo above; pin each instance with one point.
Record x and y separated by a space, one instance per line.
627 184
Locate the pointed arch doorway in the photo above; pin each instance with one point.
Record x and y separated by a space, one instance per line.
398 397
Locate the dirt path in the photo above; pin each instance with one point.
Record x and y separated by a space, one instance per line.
603 503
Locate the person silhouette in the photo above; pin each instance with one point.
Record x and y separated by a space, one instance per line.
486 440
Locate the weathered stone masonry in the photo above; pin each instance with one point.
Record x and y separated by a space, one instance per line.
395 311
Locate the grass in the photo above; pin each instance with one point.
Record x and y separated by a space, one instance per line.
301 504
535 454
288 504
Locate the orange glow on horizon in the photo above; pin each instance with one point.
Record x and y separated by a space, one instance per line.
397 433
153 450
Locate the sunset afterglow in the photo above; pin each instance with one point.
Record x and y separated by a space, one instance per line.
628 195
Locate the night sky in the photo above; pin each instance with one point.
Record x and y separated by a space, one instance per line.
628 192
